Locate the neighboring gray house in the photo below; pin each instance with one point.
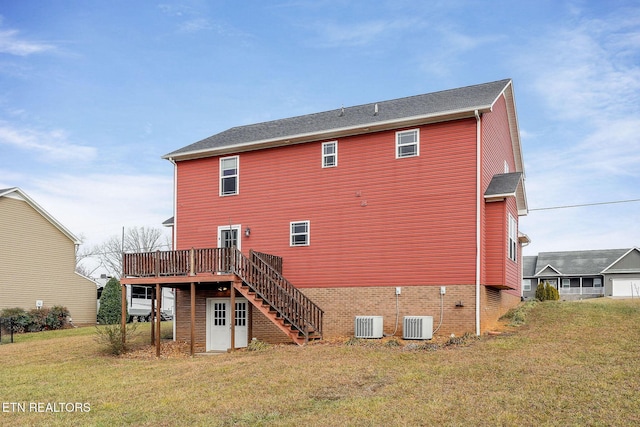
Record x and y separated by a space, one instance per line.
584 274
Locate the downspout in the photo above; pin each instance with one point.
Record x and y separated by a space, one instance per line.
174 237
478 228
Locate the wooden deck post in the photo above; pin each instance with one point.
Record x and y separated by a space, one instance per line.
123 314
158 318
232 311
193 317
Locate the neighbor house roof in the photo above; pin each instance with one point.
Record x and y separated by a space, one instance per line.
384 115
572 263
18 194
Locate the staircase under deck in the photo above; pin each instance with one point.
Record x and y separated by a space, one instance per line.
258 278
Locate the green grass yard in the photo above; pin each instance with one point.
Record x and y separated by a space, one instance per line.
571 363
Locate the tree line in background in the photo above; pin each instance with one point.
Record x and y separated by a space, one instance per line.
107 256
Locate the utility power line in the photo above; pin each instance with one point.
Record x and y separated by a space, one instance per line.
585 204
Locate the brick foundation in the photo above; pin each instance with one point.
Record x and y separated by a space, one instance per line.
341 305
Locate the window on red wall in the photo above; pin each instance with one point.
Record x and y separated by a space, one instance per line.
512 249
407 143
330 154
229 176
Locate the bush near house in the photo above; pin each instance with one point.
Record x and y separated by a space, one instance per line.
34 320
546 292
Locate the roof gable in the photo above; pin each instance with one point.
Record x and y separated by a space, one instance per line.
18 194
627 263
548 270
410 111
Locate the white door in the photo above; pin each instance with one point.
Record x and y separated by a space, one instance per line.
219 324
625 287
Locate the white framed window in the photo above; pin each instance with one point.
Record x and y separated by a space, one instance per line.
566 283
597 282
229 174
526 284
512 249
299 233
330 154
407 143
506 167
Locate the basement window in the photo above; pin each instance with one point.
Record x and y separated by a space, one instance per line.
300 233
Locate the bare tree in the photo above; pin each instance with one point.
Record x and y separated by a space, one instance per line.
135 239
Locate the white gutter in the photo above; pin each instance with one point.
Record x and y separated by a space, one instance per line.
478 206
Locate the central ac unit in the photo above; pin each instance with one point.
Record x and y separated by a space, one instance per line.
368 327
417 328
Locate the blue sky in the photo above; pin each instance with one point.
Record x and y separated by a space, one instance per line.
92 94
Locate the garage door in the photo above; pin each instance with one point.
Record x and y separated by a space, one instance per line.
626 287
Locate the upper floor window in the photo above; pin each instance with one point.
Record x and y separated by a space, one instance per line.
407 143
330 154
300 233
229 176
513 238
506 167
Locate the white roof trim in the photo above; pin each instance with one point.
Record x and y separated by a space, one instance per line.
17 193
548 266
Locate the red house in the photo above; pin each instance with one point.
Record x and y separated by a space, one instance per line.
397 210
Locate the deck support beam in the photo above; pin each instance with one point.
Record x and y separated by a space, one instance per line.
158 317
123 316
193 317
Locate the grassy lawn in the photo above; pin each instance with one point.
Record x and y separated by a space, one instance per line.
571 363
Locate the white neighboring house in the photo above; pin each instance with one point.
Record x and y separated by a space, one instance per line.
139 300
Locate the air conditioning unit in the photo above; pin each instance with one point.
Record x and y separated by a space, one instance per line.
368 327
417 328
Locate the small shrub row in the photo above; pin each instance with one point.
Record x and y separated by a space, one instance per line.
547 292
35 320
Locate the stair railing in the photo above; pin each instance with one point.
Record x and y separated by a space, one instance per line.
291 304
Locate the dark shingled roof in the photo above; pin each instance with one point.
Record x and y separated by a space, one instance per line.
503 184
591 262
478 97
529 266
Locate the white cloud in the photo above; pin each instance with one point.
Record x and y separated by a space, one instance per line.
356 34
50 145
10 43
98 205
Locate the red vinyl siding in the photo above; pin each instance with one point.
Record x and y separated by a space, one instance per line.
374 220
496 149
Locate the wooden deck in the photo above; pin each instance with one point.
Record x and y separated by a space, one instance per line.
257 277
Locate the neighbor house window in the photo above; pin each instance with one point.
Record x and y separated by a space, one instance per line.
140 292
300 233
566 283
513 238
229 176
526 285
407 143
330 154
597 282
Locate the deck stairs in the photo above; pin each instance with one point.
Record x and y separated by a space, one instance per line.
274 296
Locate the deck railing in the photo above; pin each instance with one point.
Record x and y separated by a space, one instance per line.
585 290
177 263
261 272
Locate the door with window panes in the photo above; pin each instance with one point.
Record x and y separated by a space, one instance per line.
219 323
